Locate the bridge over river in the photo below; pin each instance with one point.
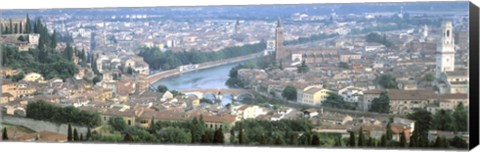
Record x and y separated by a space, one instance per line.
220 93
168 73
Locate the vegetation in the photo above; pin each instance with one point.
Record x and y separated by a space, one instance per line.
343 65
334 100
233 80
429 77
423 121
4 134
290 93
44 59
166 60
303 68
387 81
381 104
162 89
42 110
377 38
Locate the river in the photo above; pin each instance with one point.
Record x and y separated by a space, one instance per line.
214 77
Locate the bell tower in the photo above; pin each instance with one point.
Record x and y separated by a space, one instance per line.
445 54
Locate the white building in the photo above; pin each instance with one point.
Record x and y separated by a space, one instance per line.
445 55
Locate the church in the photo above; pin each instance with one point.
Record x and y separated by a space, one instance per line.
448 78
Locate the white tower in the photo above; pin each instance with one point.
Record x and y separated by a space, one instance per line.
445 55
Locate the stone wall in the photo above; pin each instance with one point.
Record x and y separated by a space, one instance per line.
39 125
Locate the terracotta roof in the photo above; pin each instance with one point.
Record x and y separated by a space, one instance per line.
167 115
374 91
47 136
411 94
219 119
454 96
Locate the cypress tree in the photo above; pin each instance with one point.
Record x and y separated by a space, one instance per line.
370 142
75 135
352 139
218 137
279 140
361 139
438 143
383 141
81 137
403 140
293 139
315 140
89 134
28 26
127 138
240 135
232 136
338 142
4 134
389 132
207 137
263 140
69 135
53 40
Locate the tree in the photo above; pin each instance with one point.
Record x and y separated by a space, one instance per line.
53 41
388 133
383 141
343 65
429 77
69 135
96 79
118 124
207 137
438 142
443 120
75 135
127 138
352 139
173 135
403 140
338 142
387 81
4 134
162 88
315 140
381 104
81 137
89 134
68 52
290 93
361 140
423 121
218 137
460 115
458 142
293 139
279 140
303 68
232 136
370 142
240 135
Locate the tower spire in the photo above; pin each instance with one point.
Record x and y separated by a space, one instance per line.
279 22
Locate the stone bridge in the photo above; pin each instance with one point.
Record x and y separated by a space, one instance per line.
220 93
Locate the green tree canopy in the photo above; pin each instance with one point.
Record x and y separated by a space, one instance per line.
290 93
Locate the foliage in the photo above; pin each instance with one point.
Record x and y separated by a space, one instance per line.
4 134
118 124
162 88
315 140
290 93
166 60
460 115
377 38
443 120
173 135
343 65
423 121
361 138
303 68
351 143
387 81
218 137
75 135
381 104
42 110
233 80
69 134
458 142
429 77
334 100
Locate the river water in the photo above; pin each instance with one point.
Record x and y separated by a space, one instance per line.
214 78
